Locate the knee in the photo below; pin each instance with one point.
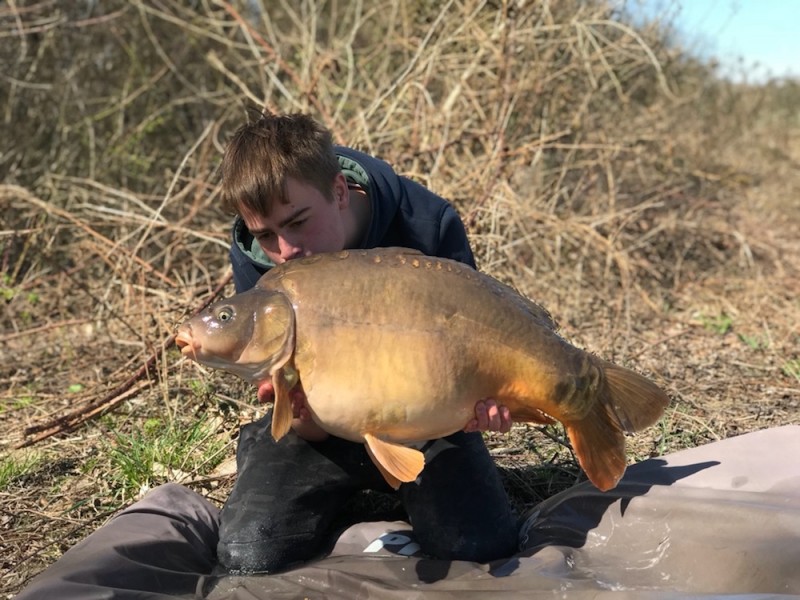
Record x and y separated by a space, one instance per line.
168 493
264 555
477 546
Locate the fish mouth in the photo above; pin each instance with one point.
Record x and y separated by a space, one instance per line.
185 342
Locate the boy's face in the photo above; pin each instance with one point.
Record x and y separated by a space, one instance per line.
309 223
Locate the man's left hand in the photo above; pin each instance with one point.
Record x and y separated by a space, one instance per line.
489 416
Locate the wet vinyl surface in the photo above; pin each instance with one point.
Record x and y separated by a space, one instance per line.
718 521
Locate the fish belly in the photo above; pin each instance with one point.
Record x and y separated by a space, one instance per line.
400 386
408 386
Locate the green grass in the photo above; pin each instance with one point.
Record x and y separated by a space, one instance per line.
754 342
719 324
162 452
15 465
791 368
679 429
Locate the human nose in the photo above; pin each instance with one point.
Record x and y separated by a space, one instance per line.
287 249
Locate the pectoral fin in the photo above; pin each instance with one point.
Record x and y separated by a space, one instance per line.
283 380
398 464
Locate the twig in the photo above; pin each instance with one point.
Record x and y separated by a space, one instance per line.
50 209
35 330
279 61
72 420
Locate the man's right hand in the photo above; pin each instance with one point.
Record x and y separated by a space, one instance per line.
303 424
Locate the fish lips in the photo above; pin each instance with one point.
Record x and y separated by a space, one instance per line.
185 342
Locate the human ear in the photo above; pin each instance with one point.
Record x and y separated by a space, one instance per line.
341 193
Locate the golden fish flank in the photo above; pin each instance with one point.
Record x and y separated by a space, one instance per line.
394 347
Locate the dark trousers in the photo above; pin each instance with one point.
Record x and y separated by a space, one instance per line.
288 494
158 548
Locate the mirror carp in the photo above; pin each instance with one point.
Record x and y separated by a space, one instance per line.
393 347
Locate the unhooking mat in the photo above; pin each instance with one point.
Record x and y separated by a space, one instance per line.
717 521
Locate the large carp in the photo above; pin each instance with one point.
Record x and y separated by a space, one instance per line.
394 347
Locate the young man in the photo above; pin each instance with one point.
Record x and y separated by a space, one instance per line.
296 194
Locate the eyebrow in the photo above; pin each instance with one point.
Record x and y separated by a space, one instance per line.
299 212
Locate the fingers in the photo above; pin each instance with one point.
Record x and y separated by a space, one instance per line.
471 426
505 420
489 416
299 406
266 392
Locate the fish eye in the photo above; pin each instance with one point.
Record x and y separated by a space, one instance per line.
225 314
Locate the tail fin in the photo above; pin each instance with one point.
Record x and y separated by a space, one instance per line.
628 402
636 401
599 444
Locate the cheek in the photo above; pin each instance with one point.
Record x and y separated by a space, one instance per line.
270 248
222 345
327 236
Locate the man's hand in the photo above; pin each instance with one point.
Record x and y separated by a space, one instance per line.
302 423
489 416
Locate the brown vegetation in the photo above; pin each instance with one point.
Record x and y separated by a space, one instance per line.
649 205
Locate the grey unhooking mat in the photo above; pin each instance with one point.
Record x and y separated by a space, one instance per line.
718 521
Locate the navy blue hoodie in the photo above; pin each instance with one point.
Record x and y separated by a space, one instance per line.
404 213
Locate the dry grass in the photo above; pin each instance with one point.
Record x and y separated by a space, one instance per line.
651 207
